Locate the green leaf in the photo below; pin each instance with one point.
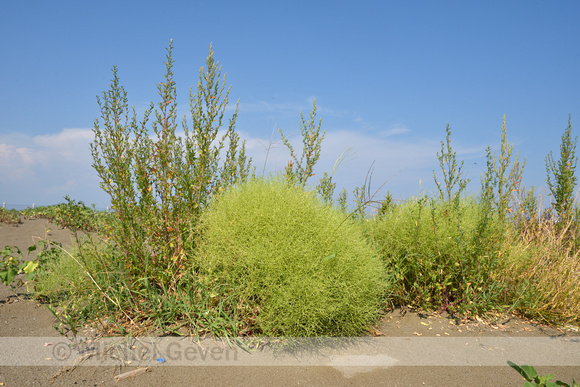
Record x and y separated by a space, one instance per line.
53 311
544 379
7 276
30 276
3 275
528 372
6 251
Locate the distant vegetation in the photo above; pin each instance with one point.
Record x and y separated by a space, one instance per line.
197 243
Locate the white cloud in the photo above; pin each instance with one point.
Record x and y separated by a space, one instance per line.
43 169
66 143
14 162
391 158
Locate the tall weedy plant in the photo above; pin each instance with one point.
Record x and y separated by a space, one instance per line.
298 171
325 185
502 178
561 175
499 184
453 277
160 184
452 172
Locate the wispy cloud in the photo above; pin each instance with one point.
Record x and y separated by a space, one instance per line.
268 107
293 109
399 129
404 163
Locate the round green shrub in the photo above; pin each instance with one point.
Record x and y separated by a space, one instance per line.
295 266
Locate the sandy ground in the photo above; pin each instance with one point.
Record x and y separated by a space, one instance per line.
406 349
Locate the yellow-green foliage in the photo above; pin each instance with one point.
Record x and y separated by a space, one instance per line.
441 254
298 267
9 216
67 274
62 275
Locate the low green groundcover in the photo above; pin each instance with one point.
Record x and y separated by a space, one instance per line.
295 266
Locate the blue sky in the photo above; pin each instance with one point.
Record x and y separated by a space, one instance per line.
386 75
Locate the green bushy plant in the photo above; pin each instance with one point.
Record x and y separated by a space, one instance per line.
159 185
433 255
74 215
130 277
9 216
90 285
295 266
61 276
12 263
443 251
